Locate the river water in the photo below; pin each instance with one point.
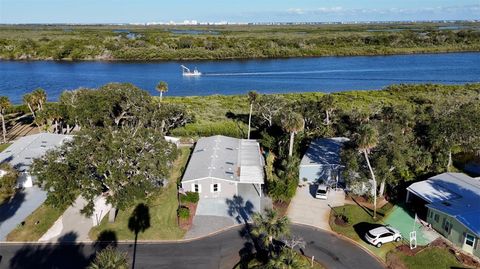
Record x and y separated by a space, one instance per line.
325 74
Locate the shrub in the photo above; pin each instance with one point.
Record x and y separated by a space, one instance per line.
8 181
110 258
225 127
191 197
183 212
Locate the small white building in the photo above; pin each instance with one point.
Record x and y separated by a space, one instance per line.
219 165
22 152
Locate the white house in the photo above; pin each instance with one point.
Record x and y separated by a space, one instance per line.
21 153
220 165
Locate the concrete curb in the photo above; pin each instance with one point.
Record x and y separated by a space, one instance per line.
341 236
178 241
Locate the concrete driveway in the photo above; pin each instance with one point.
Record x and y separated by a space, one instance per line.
15 211
305 209
215 214
71 226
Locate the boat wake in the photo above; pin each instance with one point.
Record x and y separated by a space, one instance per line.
292 72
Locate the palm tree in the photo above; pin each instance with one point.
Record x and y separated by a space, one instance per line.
40 97
293 123
162 87
269 226
4 104
252 98
367 140
110 258
29 100
286 259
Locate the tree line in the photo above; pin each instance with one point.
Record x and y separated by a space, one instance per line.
149 44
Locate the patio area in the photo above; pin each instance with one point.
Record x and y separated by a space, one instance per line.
403 220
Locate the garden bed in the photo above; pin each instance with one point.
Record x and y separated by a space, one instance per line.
186 224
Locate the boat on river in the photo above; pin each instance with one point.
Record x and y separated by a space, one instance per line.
186 72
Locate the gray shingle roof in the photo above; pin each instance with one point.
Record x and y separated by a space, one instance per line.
324 151
225 158
21 153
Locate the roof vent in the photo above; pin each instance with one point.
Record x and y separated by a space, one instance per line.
231 163
229 148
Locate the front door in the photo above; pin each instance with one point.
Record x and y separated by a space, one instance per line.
469 243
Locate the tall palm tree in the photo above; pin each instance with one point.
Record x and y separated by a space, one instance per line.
269 226
162 87
4 104
110 258
29 100
252 98
367 140
293 123
40 98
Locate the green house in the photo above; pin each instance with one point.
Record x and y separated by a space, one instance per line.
452 207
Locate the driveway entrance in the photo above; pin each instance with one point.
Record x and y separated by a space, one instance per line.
214 214
306 209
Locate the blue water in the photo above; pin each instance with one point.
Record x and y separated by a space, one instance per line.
325 74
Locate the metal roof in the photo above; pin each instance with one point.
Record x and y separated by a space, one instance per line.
226 158
21 153
324 151
454 194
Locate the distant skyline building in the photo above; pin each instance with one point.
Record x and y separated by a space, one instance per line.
189 12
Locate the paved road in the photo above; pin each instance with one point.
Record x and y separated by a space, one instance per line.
220 251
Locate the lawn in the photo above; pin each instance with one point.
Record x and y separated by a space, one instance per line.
360 220
4 146
432 257
162 208
31 230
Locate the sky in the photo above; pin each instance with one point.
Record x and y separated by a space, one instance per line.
143 11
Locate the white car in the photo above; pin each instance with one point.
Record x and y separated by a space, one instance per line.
322 191
382 235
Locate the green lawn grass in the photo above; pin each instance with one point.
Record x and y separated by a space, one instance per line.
4 146
31 230
359 219
162 209
432 257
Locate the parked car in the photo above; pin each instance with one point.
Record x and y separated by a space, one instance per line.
322 192
382 235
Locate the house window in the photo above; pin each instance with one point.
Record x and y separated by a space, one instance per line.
196 188
215 187
469 240
431 214
436 217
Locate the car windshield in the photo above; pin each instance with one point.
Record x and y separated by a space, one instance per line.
370 235
321 191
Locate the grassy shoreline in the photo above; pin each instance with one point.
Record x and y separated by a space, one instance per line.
91 43
360 53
